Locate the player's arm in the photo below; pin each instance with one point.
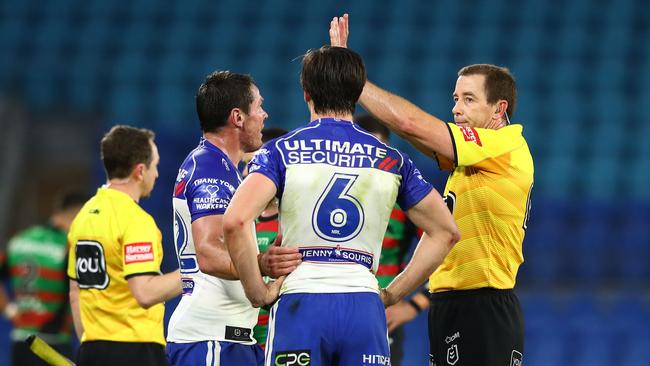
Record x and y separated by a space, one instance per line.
150 289
440 235
214 259
250 199
74 307
211 252
426 132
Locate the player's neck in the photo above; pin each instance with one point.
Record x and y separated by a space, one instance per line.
342 116
127 186
227 140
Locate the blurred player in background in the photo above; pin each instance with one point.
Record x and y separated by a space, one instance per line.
337 187
213 323
116 289
475 316
399 236
36 263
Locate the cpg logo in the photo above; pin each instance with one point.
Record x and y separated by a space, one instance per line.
293 358
90 265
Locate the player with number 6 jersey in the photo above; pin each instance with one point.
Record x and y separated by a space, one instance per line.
337 185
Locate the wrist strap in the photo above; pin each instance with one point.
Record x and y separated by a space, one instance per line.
415 305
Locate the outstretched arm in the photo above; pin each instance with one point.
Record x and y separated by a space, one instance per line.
426 132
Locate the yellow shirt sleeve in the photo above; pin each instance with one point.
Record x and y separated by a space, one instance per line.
474 146
142 246
72 258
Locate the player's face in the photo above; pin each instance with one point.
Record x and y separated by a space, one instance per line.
150 173
251 138
471 108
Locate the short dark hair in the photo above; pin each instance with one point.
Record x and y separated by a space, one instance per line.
219 94
66 200
270 133
499 83
334 78
370 124
124 147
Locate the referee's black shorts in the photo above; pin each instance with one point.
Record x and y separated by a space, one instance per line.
107 353
483 327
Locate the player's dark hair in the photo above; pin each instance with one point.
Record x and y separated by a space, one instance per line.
220 93
334 78
270 133
370 124
69 199
124 147
499 83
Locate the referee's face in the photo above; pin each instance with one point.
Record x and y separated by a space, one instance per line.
251 136
471 108
150 173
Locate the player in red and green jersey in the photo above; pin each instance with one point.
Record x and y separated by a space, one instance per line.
35 263
267 227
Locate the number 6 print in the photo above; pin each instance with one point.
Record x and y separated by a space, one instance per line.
338 216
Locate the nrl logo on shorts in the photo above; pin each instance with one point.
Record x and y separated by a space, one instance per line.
452 354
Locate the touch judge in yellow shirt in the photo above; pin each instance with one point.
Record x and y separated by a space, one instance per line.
116 288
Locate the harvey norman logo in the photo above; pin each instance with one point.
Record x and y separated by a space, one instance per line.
138 252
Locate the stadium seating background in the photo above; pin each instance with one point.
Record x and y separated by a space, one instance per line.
583 72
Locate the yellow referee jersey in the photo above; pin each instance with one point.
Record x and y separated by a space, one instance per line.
111 239
488 193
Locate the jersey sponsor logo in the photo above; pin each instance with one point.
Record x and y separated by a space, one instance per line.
90 265
452 354
293 358
333 152
336 255
138 252
516 358
375 360
470 134
238 334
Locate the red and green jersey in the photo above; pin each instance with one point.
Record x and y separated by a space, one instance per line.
396 242
36 261
267 229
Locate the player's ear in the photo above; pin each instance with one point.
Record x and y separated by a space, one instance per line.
306 96
138 171
236 117
501 108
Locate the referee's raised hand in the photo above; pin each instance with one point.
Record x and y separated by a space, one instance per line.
339 31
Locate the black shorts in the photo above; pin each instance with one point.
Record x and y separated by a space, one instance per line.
481 327
106 353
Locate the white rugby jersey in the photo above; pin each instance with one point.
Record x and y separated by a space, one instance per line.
210 308
337 186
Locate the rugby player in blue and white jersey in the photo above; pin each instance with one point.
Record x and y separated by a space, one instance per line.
213 322
337 185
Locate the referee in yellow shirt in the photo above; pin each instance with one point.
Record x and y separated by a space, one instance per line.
116 288
475 317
